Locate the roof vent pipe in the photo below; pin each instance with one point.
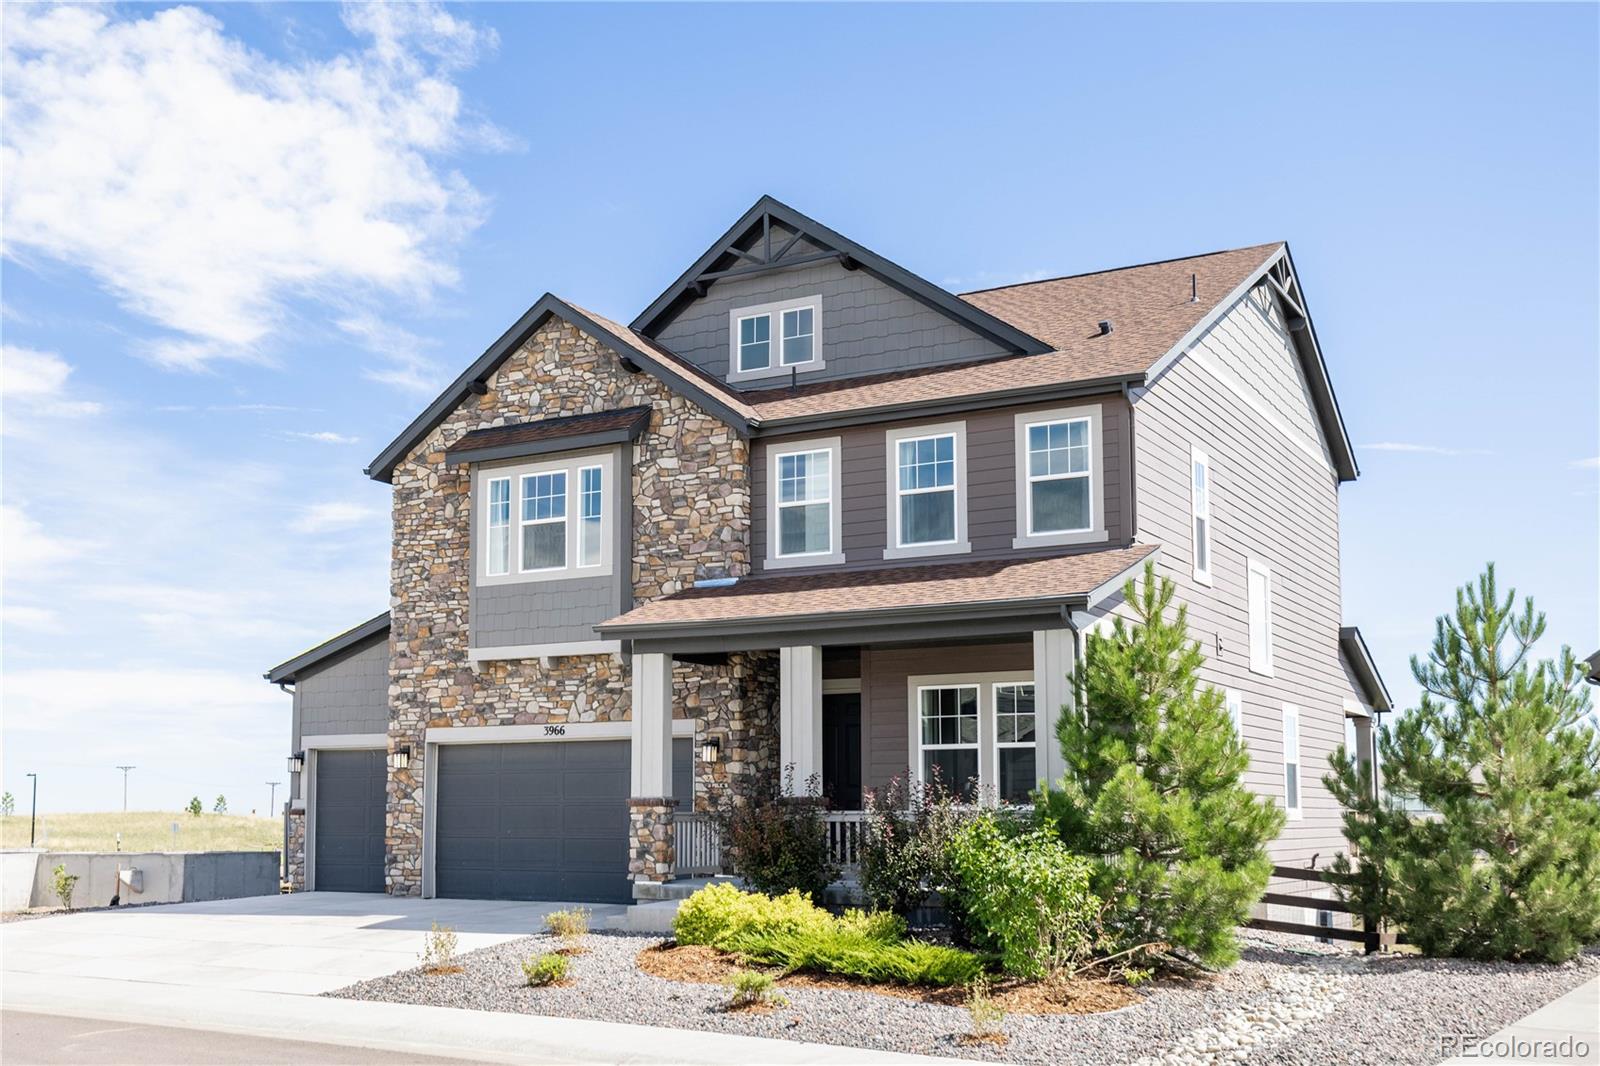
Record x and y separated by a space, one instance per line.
1105 326
1194 288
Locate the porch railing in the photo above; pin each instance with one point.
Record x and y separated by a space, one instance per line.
844 838
699 842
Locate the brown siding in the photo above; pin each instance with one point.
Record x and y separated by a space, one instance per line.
991 481
885 747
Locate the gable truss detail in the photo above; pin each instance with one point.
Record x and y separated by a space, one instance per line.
764 257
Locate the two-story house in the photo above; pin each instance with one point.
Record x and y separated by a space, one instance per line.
811 511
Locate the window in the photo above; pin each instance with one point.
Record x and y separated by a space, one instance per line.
776 339
798 335
1235 705
755 343
1015 741
1260 592
927 494
498 559
948 736
1350 741
805 482
1058 477
1291 760
1200 512
544 521
591 507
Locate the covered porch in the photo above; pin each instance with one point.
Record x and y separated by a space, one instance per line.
954 672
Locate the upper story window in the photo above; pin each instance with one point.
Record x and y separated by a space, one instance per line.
545 520
1234 703
1200 513
1259 577
803 522
774 339
1059 461
927 491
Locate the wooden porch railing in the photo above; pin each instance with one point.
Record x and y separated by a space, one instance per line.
844 838
699 845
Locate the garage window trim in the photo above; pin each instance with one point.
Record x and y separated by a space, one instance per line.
545 521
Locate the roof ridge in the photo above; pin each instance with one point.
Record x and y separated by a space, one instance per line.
1129 266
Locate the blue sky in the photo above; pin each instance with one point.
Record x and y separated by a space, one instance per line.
245 244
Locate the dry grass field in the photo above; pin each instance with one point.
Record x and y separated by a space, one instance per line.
145 831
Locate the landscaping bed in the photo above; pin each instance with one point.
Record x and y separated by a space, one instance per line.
1287 1001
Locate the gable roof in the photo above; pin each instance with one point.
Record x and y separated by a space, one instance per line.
637 353
350 640
704 271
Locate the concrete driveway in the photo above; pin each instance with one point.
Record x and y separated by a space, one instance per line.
305 943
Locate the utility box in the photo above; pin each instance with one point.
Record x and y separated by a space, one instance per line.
132 878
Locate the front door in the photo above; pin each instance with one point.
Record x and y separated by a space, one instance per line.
841 750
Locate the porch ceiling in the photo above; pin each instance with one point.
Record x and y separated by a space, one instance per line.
975 597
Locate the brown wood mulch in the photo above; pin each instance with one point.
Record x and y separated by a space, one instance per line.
697 964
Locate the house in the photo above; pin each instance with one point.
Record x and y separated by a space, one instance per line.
809 510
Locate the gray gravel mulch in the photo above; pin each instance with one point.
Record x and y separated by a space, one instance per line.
1281 1004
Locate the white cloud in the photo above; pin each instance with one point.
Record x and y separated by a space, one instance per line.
405 366
325 437
332 516
205 184
1421 449
34 381
29 549
38 619
1591 463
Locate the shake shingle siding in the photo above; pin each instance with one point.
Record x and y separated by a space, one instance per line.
541 612
349 695
1273 498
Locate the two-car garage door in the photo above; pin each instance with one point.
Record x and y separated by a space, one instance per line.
539 821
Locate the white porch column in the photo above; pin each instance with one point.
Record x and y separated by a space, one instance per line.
800 712
652 725
1054 658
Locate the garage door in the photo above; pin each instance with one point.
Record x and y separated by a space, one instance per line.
349 821
543 821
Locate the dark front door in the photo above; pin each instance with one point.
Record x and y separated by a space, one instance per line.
349 822
841 750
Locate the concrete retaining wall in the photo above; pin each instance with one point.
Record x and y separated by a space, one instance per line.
16 879
164 877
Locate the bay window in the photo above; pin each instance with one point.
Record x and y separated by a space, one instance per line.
498 554
544 520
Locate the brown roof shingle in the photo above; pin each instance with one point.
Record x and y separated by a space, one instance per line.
980 581
550 429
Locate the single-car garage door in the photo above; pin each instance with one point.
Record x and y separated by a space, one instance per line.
541 821
349 822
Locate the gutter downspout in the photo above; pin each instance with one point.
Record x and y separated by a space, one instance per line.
283 869
1133 486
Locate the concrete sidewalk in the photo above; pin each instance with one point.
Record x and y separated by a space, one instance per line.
1565 1031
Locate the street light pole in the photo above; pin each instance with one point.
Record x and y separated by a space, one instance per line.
272 797
33 813
125 770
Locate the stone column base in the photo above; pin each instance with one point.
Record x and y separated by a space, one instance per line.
651 835
295 862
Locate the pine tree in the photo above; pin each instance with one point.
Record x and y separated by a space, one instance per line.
221 806
1153 792
1504 753
194 807
8 805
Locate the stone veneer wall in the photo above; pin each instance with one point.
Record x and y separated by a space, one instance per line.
691 519
295 861
653 844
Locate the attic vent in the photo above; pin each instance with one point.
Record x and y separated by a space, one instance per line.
1105 326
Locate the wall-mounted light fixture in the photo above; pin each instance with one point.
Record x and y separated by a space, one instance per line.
401 759
710 750
297 762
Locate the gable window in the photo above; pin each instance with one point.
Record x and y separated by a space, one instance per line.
1015 740
776 339
1259 578
1291 760
1200 513
927 494
544 520
1234 703
948 737
1059 477
803 493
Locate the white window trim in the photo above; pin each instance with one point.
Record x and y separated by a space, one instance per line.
834 556
1264 667
1290 711
485 494
522 523
978 742
1201 576
1096 530
516 471
959 546
1002 745
774 313
1233 700
988 759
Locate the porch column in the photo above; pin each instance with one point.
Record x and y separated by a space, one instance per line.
800 713
650 804
1054 658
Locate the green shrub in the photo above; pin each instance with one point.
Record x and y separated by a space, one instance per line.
1025 896
64 884
903 842
439 950
569 925
751 987
720 912
547 969
778 841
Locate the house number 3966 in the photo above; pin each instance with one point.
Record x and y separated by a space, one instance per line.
555 730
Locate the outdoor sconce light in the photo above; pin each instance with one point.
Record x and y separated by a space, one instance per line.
710 750
402 757
297 762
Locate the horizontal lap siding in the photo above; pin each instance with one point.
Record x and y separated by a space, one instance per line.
991 480
1271 499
